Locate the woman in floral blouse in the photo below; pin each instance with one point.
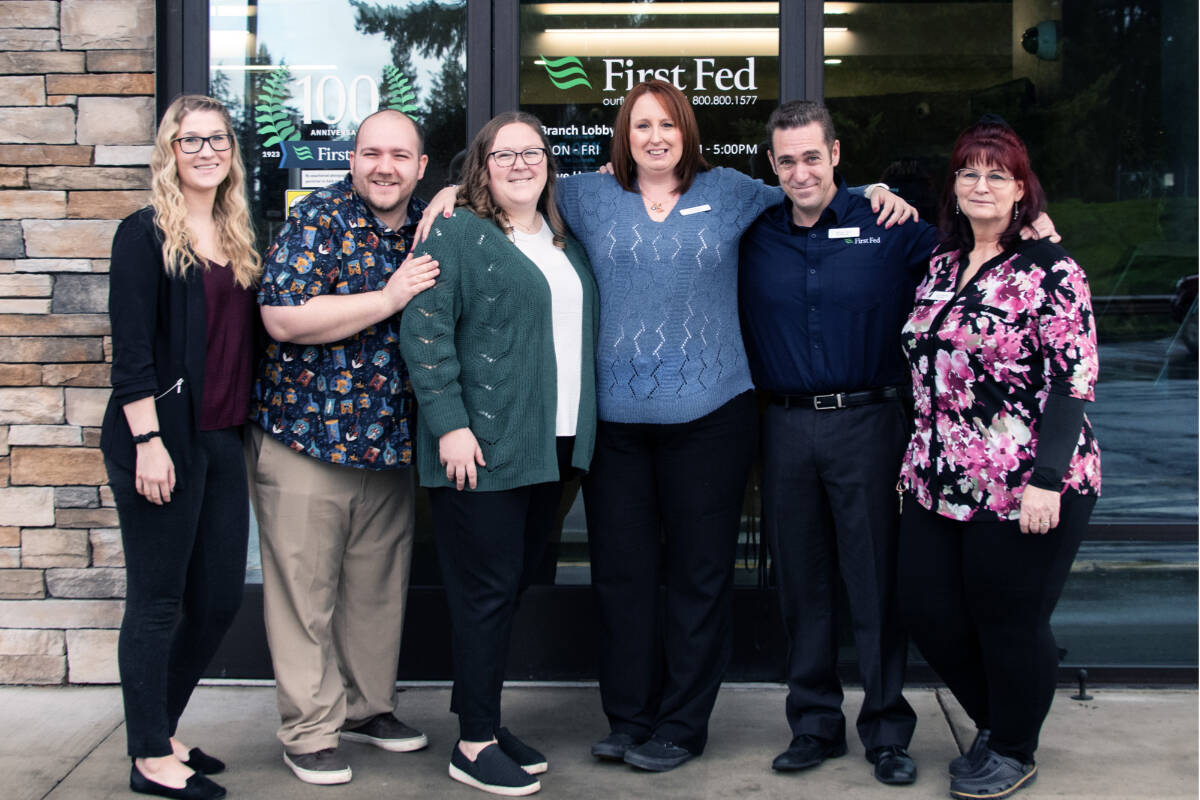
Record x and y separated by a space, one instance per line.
1002 471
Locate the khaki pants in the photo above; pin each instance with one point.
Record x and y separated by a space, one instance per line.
336 548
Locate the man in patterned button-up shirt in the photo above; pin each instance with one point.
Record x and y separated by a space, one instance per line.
331 452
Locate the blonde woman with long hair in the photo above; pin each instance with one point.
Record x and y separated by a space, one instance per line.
182 306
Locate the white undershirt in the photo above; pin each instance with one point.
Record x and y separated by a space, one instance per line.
566 312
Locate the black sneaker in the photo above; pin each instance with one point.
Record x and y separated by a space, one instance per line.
387 733
964 764
614 746
657 755
526 757
323 768
492 771
995 777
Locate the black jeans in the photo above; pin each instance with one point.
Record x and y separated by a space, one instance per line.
185 563
663 505
830 513
977 598
489 545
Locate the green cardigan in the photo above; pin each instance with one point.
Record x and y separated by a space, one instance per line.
479 347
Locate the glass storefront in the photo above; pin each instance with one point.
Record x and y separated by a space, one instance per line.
1103 91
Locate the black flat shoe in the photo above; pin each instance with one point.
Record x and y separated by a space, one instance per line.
197 787
203 763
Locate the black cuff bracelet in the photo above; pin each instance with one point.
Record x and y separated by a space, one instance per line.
142 438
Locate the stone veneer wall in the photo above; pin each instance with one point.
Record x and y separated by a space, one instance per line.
76 121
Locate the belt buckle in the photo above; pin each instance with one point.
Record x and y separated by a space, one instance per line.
827 402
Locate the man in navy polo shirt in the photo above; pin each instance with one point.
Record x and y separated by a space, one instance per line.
824 292
331 452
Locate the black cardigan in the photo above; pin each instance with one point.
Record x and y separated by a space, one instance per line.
159 342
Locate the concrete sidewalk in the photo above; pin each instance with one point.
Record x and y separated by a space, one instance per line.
69 744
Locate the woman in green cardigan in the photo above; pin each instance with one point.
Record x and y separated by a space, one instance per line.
501 355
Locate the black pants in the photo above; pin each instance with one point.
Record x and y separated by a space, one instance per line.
185 563
489 546
830 509
977 598
663 505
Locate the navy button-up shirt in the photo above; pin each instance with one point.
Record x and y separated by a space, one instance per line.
822 307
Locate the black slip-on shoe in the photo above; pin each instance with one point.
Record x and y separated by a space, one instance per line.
197 787
203 763
614 746
322 768
657 755
893 765
387 733
807 751
492 771
964 764
526 757
995 777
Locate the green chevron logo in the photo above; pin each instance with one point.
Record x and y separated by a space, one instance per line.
566 72
304 153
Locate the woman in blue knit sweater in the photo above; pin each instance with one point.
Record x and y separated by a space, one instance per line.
677 421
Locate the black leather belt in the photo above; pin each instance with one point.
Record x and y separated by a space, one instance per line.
832 402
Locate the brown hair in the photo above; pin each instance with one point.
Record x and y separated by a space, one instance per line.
473 192
680 111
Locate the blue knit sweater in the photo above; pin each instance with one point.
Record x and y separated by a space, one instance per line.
670 347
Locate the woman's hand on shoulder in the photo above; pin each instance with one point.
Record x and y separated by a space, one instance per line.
459 452
154 475
443 204
1039 510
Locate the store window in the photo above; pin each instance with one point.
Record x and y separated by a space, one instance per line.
1104 93
300 75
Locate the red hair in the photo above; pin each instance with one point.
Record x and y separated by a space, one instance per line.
991 143
680 111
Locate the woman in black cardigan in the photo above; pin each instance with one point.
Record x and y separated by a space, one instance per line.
182 308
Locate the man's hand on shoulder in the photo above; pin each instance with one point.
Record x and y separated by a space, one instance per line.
890 207
414 276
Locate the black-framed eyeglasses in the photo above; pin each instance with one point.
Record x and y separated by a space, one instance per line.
194 144
506 158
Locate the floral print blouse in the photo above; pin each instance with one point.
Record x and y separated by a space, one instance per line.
983 363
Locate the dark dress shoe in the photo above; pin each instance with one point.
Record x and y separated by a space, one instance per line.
807 751
893 765
614 746
203 763
657 755
197 787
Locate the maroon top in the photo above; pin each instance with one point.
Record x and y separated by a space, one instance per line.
229 326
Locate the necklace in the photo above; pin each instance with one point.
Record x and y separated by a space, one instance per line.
534 228
656 206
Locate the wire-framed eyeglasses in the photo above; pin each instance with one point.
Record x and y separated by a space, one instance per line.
970 177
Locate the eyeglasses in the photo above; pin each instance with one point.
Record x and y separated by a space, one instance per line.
194 144
971 177
506 158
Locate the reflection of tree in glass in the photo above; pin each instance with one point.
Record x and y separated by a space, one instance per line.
434 30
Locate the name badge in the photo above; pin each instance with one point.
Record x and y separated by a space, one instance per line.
842 233
695 210
939 297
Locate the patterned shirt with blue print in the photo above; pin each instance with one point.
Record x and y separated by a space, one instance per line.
347 402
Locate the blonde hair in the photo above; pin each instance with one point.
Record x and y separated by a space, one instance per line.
231 212
474 193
